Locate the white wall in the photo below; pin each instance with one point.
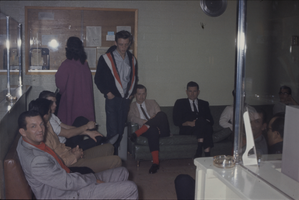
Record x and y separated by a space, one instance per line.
173 49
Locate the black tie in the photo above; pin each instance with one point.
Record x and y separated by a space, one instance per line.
194 106
143 111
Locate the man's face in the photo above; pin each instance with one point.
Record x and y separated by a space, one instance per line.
140 95
53 106
192 93
257 125
122 46
35 130
284 95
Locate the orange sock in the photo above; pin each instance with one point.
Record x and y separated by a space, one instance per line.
155 155
142 130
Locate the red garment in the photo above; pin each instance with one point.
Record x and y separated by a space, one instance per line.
47 149
74 81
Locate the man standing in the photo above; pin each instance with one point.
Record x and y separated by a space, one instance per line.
193 116
49 178
116 77
152 122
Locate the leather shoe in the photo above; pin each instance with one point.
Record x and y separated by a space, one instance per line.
154 168
133 137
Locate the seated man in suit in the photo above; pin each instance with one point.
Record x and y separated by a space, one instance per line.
152 123
50 178
193 116
275 134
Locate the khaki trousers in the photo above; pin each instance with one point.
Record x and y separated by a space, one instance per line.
99 158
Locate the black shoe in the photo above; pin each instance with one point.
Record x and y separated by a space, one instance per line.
154 168
133 137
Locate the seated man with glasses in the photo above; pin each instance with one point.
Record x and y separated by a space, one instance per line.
285 98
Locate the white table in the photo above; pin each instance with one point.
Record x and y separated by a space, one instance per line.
267 182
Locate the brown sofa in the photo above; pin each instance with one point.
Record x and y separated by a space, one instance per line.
16 185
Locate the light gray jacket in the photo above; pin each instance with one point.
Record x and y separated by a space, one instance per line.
47 179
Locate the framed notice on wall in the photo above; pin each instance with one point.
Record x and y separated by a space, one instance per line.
48 28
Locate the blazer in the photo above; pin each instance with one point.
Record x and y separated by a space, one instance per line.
46 177
152 108
182 112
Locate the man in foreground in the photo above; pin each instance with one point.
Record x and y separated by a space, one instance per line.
152 122
49 178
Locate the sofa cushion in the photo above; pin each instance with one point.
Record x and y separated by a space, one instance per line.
171 140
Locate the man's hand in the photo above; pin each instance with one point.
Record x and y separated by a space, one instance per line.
93 134
189 123
99 181
77 152
110 95
90 125
291 101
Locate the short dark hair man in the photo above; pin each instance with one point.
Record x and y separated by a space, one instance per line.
50 178
193 116
285 98
153 123
258 122
275 134
116 78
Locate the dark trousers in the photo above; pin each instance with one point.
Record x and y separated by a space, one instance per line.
184 187
202 129
79 139
116 116
159 127
81 170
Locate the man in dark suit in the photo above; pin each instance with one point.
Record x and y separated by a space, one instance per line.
193 116
153 123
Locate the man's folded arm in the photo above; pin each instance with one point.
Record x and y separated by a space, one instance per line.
48 172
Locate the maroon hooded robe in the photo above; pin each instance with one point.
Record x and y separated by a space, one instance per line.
74 81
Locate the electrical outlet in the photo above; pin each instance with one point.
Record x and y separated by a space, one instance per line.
295 40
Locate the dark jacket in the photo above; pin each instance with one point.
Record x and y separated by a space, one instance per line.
107 79
182 112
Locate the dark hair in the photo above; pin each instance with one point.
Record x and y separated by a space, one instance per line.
75 50
45 94
192 84
286 88
263 112
124 35
42 106
22 118
139 86
278 124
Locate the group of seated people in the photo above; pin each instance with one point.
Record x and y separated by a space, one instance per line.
268 136
59 162
62 161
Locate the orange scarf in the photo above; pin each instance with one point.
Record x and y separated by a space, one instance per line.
47 149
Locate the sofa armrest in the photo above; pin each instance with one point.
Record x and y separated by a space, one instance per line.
16 185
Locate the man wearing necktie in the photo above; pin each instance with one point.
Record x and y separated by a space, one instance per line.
153 123
193 116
